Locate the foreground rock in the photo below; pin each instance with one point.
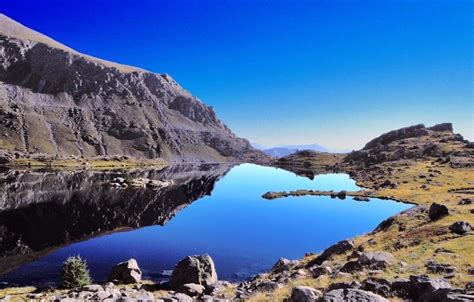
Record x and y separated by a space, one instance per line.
198 269
126 272
352 295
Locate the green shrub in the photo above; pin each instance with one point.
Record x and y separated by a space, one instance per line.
75 273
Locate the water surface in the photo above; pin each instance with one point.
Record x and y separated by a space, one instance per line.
244 233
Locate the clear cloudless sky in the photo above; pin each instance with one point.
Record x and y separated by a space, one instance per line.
337 73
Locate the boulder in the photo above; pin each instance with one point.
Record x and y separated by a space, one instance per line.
352 266
351 295
376 260
437 211
460 227
437 268
339 248
198 269
304 294
446 295
317 271
126 272
417 286
376 285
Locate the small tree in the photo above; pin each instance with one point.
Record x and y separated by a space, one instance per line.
75 273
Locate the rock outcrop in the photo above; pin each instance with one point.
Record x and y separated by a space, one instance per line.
59 103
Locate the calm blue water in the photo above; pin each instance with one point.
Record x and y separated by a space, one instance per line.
244 233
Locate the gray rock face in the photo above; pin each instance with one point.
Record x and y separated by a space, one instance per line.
352 295
126 272
437 211
59 102
197 269
304 294
460 227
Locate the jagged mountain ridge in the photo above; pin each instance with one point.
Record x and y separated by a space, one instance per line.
56 101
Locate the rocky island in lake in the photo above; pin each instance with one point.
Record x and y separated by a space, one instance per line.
117 184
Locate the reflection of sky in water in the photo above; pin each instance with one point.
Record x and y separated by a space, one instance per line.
243 232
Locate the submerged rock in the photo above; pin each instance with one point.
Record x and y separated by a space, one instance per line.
126 272
198 269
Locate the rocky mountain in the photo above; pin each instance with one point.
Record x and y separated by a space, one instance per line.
417 142
61 103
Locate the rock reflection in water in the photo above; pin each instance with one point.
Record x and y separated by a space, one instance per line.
42 211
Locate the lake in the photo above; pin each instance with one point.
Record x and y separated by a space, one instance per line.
216 209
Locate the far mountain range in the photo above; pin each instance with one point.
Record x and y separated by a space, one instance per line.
285 150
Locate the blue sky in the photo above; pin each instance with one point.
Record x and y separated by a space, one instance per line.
337 73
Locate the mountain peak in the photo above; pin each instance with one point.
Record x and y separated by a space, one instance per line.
16 30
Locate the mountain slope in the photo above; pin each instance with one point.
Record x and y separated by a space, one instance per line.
58 102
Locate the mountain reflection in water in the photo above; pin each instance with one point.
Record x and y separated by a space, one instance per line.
42 211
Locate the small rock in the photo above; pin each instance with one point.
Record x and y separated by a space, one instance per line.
460 227
437 211
304 294
361 198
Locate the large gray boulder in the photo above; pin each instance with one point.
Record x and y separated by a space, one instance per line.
352 295
304 294
126 272
198 269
